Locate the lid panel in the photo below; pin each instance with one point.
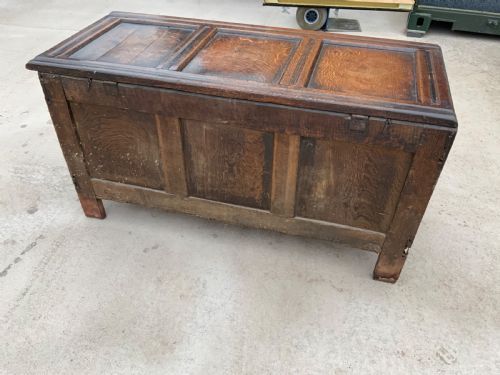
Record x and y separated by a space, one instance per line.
247 57
103 43
134 44
364 71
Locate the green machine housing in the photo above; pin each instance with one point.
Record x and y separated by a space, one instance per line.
479 16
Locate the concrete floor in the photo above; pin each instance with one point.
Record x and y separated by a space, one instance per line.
147 292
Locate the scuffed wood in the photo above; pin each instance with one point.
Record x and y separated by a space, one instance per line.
420 183
172 155
350 184
119 145
365 239
286 162
70 145
228 164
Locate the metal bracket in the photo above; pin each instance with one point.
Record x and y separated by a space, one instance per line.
407 248
358 123
493 23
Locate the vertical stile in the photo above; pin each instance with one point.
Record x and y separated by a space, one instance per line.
171 154
286 159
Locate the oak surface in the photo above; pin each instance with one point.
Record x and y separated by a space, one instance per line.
333 137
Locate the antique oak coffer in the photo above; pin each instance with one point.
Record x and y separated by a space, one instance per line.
333 137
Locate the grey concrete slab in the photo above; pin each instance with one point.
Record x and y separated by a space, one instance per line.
148 292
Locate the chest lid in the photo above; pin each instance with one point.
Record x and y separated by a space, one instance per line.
341 73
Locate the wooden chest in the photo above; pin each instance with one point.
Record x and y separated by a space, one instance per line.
322 135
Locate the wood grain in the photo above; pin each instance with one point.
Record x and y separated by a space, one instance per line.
98 47
198 40
235 214
365 71
228 164
119 145
348 184
245 57
285 166
70 145
172 155
168 42
298 74
419 185
134 44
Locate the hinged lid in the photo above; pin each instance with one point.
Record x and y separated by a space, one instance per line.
361 76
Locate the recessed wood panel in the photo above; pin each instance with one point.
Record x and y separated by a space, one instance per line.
245 57
344 183
134 44
365 71
119 145
228 164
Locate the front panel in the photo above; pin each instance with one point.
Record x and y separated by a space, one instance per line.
337 177
357 185
119 145
228 164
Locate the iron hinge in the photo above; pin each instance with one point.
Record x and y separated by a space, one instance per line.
407 247
358 123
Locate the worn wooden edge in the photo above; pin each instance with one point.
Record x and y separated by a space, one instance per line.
442 85
307 69
296 62
422 178
189 50
427 93
67 135
83 36
232 88
92 207
170 146
228 213
106 26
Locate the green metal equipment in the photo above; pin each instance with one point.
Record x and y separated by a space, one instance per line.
480 16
